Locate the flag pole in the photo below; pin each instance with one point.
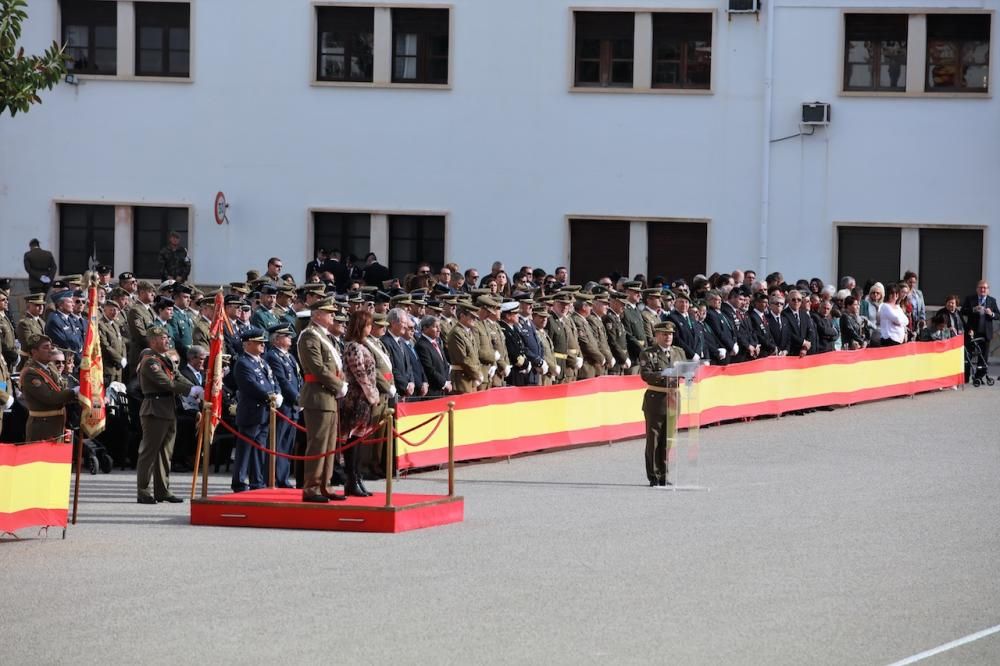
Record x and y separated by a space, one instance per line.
78 451
197 451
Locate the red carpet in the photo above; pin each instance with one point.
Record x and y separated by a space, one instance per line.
284 508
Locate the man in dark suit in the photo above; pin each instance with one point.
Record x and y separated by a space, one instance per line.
776 324
40 266
375 273
341 273
684 327
800 328
188 408
420 385
522 371
257 390
289 380
980 310
758 325
402 371
733 311
316 266
430 351
722 330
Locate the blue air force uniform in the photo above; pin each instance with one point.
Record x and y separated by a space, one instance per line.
255 385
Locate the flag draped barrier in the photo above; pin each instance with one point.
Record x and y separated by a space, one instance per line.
508 421
34 484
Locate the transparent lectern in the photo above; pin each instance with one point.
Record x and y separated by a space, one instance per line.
682 448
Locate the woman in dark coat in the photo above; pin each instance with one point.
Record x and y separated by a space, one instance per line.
357 410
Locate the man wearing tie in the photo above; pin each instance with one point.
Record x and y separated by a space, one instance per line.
289 380
684 333
188 409
432 358
257 391
799 324
775 324
979 310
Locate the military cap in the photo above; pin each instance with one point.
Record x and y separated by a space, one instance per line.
103 269
583 298
652 292
355 298
715 293
571 288
540 310
487 302
448 298
73 279
239 288
253 334
400 299
280 329
524 298
602 298
252 275
509 306
467 308
166 285
35 341
118 292
380 320
562 297
163 302
35 299
633 285
441 289
760 296
110 302
59 295
234 299
157 331
206 300
667 293
381 297
663 327
127 275
145 285
480 292
341 317
682 296
326 305
181 288
367 289
268 289
434 306
287 291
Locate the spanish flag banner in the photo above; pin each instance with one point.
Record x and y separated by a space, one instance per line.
34 485
94 415
508 421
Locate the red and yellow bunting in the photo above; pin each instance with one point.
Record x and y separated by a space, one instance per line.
508 421
34 485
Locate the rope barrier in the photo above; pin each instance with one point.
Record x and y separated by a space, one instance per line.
413 445
281 416
318 456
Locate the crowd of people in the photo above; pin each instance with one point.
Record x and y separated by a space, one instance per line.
351 340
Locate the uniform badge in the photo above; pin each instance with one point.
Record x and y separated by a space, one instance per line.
36 382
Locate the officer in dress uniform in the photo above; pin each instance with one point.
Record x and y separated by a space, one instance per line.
6 390
556 330
61 327
593 359
488 354
8 340
635 332
497 341
659 428
180 326
140 317
264 317
45 393
256 391
540 318
463 352
599 308
614 329
286 373
31 324
201 326
650 311
522 371
113 351
160 382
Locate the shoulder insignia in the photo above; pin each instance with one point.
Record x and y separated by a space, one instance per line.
36 382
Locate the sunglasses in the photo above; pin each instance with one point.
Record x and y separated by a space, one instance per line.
794 300
58 362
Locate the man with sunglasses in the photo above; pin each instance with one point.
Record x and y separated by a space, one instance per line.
801 332
45 392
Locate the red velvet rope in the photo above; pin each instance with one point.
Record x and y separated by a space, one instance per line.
318 456
285 418
440 420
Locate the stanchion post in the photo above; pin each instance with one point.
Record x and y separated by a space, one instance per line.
78 453
272 443
197 452
390 441
206 423
451 448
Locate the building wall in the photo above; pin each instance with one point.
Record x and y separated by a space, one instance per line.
508 152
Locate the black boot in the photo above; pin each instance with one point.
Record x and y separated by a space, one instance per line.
361 487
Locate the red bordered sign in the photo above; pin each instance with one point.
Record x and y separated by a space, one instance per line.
220 208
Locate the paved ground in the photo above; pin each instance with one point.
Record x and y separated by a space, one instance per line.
859 536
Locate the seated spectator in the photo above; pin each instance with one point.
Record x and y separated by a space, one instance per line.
855 331
939 329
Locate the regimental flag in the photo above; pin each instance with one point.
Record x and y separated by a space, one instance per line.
92 372
34 485
213 372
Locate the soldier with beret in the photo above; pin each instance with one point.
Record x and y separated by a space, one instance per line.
256 392
659 404
160 382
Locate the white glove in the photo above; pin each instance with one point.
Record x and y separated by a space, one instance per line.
279 400
341 393
506 371
496 355
7 405
76 390
627 364
695 358
124 362
480 379
579 362
493 371
736 348
392 390
545 368
558 370
613 362
118 387
447 386
45 279
722 353
196 392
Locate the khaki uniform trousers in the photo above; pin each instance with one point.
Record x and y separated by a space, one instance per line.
321 437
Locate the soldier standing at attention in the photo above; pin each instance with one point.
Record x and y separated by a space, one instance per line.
140 317
593 359
652 303
264 316
323 374
174 261
257 391
556 329
113 350
463 352
40 266
615 329
660 426
6 390
180 326
31 324
540 317
45 393
8 341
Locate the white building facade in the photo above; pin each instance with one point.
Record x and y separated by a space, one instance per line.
663 138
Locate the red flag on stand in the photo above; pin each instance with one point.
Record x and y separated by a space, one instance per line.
94 415
213 371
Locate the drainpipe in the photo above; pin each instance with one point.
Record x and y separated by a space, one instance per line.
765 155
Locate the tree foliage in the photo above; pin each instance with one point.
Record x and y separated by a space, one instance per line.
21 76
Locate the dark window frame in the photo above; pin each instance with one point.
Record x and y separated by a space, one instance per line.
93 14
355 23
423 239
962 47
682 27
167 16
607 28
146 264
876 27
67 265
428 24
344 238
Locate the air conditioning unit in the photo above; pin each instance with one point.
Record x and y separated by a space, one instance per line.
815 113
744 6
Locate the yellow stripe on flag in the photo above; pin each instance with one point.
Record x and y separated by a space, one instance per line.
38 485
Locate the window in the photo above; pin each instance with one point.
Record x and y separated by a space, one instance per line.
348 232
604 49
86 237
413 239
958 52
682 50
163 39
90 32
151 225
869 254
875 52
420 46
597 248
346 40
676 249
951 262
